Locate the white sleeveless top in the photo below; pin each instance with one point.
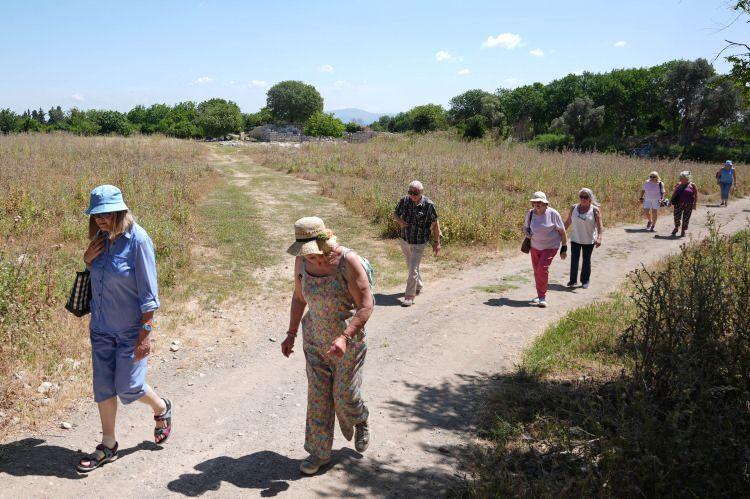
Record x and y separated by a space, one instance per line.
583 226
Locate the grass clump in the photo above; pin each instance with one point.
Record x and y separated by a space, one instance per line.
45 182
639 396
481 190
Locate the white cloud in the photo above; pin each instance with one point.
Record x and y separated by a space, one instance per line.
464 72
326 68
442 55
506 40
258 83
537 53
203 80
620 44
77 97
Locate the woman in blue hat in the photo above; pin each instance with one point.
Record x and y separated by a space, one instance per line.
124 298
726 177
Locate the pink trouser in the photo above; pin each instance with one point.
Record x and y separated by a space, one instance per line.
540 261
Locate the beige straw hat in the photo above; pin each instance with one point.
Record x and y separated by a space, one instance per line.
308 232
539 196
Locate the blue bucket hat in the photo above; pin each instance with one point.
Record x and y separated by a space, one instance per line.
105 199
728 163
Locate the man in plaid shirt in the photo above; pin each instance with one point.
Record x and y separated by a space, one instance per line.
417 217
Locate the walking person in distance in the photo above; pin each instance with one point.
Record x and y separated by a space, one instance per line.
652 196
417 217
545 227
585 218
726 177
685 200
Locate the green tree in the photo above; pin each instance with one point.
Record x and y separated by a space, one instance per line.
8 121
581 119
682 86
262 117
218 117
110 122
475 127
324 125
428 118
353 127
293 101
180 122
56 116
525 109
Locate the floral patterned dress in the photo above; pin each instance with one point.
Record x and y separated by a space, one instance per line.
334 385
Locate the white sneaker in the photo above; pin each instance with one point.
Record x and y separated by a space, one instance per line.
535 301
542 303
585 285
407 303
312 464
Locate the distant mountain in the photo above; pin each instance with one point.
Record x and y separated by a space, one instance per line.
356 115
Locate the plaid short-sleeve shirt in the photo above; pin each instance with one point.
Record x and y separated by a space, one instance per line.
419 216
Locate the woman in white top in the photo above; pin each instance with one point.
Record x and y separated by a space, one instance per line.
545 227
653 192
586 219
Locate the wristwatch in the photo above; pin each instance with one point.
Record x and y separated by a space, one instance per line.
147 326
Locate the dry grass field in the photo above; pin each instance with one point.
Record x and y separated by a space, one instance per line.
45 182
481 190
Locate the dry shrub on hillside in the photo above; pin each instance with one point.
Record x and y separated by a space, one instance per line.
481 189
45 182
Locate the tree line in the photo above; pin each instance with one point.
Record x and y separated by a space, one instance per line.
677 108
287 102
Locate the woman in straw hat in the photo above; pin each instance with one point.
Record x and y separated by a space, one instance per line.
122 265
332 283
545 227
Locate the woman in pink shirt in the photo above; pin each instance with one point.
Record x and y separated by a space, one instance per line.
545 227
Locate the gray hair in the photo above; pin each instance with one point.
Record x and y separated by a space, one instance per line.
686 174
591 195
416 184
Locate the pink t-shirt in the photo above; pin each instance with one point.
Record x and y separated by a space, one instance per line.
544 234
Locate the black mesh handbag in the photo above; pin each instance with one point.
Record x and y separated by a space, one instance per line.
79 302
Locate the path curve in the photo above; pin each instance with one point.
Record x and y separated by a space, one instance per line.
240 414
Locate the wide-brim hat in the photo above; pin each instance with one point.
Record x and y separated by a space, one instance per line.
539 196
728 163
105 199
308 232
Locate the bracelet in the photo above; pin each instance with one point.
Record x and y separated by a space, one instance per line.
292 333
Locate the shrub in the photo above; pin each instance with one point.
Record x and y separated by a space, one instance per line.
475 127
353 127
552 142
324 125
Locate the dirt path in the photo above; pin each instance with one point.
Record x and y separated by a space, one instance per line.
240 408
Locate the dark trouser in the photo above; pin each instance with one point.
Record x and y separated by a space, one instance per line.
575 251
682 213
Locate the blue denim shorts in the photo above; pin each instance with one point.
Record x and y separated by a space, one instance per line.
115 371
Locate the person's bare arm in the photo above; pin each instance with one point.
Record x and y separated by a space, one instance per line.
296 310
436 236
359 288
570 216
599 226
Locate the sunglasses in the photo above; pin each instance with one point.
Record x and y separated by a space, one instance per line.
414 193
651 176
583 197
103 215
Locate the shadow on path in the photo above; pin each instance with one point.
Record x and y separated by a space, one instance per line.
265 470
636 231
29 457
668 238
507 302
382 300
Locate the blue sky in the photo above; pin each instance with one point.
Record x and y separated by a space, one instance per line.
382 56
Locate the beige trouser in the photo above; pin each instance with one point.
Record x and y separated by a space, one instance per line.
413 255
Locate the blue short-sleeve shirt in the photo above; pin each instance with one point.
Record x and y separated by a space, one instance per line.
123 282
